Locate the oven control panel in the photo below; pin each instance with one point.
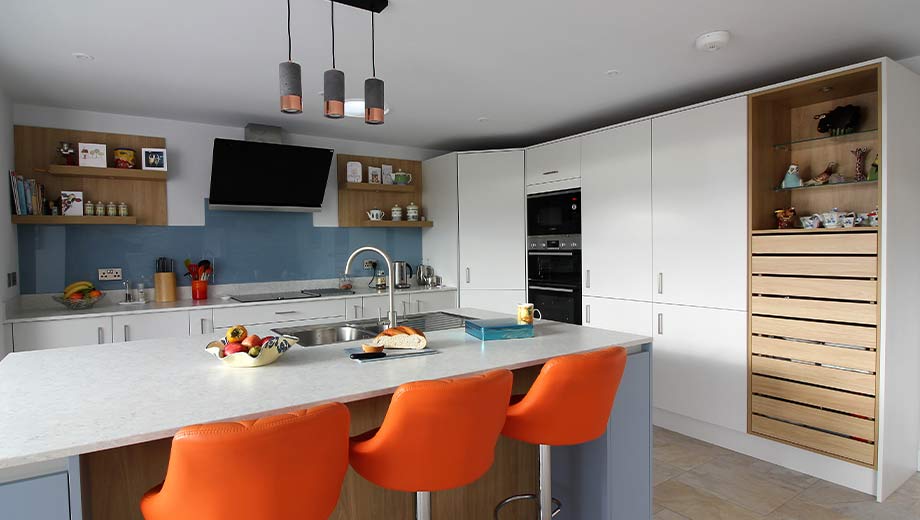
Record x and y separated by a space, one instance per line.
553 242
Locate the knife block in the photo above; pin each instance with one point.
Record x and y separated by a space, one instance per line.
164 285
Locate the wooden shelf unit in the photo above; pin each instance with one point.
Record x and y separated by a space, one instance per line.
37 158
58 220
356 199
814 294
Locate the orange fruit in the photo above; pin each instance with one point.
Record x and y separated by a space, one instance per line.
236 334
95 293
76 296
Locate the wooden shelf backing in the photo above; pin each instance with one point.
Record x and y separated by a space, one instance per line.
61 170
401 223
58 220
37 158
858 229
363 186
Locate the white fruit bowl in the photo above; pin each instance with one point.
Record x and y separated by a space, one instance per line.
270 352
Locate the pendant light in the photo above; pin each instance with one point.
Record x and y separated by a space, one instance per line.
373 88
333 81
289 75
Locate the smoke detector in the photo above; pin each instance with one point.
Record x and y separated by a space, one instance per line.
713 41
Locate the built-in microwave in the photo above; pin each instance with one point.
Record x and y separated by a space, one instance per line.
554 213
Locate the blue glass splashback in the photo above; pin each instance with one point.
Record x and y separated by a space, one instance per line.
244 246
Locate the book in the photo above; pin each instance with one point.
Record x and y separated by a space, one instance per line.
14 193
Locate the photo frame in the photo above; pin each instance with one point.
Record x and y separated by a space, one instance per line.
374 175
92 155
153 159
72 203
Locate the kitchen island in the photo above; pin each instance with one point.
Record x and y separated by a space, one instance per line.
116 407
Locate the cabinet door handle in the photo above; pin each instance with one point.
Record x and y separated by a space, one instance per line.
418 305
286 312
588 313
660 283
126 332
357 311
587 278
202 325
405 307
551 172
101 335
660 324
467 275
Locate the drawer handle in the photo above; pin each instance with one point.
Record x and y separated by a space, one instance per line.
405 308
467 275
126 332
660 324
202 325
418 306
587 278
286 312
358 311
551 172
588 313
101 335
660 283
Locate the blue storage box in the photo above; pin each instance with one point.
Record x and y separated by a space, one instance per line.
501 328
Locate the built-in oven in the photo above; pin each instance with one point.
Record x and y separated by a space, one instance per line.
554 276
554 213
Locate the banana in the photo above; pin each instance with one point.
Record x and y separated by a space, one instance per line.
77 287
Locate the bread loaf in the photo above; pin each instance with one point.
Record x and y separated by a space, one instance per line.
402 337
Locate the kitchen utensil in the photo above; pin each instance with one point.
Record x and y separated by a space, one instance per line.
164 286
375 214
412 212
380 281
423 274
396 213
362 356
402 274
199 289
388 356
434 281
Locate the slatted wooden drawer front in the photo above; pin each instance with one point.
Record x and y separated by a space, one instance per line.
823 419
814 331
814 374
816 353
832 243
852 266
830 288
821 397
851 312
820 441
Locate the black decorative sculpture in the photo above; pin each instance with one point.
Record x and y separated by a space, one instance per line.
839 121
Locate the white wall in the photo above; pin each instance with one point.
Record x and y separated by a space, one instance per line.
9 259
189 148
912 63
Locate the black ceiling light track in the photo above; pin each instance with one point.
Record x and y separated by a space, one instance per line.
374 6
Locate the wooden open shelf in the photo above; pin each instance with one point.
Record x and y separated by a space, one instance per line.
858 229
852 136
363 186
143 190
58 220
829 185
60 170
401 223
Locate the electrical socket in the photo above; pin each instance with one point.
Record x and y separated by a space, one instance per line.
109 273
11 279
370 265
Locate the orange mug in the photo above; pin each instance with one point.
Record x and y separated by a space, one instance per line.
199 289
525 313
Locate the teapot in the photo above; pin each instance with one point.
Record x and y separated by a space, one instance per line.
375 214
402 177
832 219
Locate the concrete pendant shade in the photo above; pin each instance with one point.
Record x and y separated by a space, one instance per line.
334 94
291 92
373 101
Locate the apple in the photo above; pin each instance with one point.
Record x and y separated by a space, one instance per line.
252 341
233 348
265 340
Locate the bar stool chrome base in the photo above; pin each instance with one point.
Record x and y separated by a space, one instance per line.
549 506
423 505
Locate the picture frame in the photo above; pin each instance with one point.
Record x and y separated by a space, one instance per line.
153 159
387 173
92 155
374 175
72 203
353 171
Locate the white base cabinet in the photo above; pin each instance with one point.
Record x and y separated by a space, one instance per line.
155 325
200 322
700 364
493 300
634 317
40 335
433 301
378 306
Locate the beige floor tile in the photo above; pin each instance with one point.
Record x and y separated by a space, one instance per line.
683 452
825 493
696 504
656 506
667 514
662 471
796 509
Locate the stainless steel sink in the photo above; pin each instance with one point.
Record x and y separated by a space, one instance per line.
329 333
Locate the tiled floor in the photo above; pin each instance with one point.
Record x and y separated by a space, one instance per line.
698 481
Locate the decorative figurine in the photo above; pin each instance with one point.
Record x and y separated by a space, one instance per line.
860 154
873 170
834 177
792 178
784 218
839 121
823 177
68 152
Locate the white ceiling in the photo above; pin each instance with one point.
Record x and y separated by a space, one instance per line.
535 68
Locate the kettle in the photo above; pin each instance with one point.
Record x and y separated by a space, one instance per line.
402 275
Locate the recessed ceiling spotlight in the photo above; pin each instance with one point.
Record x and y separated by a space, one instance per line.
482 119
82 56
713 41
612 72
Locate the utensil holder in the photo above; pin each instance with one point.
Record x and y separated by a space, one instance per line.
164 285
199 289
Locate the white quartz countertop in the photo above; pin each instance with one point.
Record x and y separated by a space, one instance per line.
110 306
63 402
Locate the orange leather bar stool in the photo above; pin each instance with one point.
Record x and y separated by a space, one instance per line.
569 403
285 466
436 435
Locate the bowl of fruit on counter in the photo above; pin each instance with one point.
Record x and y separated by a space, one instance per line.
238 348
79 295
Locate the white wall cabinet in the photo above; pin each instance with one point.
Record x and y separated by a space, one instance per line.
40 335
630 316
154 325
433 301
699 197
553 162
495 300
616 212
700 364
492 232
